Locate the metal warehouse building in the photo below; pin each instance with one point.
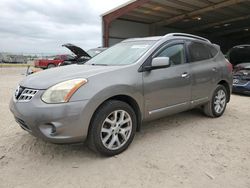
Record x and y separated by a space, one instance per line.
225 22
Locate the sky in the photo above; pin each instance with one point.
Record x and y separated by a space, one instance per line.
42 26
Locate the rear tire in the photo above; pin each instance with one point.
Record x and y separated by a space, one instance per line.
113 128
217 106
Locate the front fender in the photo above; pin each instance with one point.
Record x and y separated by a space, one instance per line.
106 94
118 90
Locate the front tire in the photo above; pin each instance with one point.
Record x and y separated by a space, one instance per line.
113 128
217 105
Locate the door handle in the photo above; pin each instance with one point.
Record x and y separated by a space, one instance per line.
185 75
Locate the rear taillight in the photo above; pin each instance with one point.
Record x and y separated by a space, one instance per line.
229 66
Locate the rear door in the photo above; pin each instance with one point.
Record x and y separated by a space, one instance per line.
204 70
168 90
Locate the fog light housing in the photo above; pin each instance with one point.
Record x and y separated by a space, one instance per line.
48 129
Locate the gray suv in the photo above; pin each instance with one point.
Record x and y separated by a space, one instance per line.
106 100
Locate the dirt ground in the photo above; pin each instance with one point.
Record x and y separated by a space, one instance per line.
184 150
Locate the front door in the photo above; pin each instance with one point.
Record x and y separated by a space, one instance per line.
168 90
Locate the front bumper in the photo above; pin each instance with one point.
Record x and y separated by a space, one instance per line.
56 123
243 89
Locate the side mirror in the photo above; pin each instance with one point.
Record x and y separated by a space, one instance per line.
158 63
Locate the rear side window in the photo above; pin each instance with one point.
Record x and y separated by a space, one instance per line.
57 57
198 51
213 50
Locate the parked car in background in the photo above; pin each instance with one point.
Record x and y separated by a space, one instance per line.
79 56
13 59
241 79
51 63
106 99
18 59
89 54
239 54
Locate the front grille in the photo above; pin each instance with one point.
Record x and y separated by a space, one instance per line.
18 92
26 95
22 124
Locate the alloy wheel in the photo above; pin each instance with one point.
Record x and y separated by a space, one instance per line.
220 101
116 129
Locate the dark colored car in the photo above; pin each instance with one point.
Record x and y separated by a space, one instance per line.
80 57
241 82
239 54
81 60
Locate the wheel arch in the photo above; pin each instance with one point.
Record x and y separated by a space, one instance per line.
132 102
227 86
51 64
127 99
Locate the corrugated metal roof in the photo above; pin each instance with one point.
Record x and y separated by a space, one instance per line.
117 8
210 17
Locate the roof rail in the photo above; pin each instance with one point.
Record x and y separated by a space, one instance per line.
187 35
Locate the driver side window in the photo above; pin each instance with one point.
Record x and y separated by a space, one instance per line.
175 53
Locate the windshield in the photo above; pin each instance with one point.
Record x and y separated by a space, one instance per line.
124 53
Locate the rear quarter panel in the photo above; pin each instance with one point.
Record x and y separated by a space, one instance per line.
225 72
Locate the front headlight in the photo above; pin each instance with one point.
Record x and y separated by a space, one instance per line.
62 92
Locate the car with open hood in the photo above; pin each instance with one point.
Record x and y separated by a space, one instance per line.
80 56
239 54
107 99
82 59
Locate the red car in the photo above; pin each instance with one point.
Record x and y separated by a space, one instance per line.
80 55
46 63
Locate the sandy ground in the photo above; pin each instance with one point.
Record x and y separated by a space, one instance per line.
184 150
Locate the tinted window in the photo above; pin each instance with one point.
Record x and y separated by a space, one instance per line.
57 57
198 52
175 53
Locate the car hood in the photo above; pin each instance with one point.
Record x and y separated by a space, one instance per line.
76 50
50 77
242 66
239 54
